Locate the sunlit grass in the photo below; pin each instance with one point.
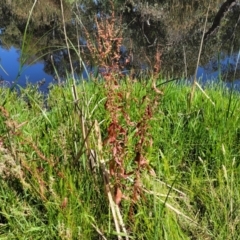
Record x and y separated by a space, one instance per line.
46 193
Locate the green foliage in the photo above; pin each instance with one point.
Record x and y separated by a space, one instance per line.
47 194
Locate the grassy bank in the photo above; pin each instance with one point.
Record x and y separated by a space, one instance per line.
190 189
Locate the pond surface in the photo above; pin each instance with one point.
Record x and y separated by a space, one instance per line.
175 27
12 71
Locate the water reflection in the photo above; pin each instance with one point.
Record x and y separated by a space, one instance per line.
12 72
175 26
224 68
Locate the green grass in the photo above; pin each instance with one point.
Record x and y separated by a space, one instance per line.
195 154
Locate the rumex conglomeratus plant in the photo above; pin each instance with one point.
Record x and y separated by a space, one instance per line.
124 178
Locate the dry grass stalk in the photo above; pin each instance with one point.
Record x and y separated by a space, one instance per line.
118 220
195 83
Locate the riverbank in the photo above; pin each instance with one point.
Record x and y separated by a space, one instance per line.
188 173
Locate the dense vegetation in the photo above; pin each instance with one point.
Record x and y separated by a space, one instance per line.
46 193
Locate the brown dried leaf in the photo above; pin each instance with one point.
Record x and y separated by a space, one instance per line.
118 196
64 203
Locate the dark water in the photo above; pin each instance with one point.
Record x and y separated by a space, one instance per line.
175 26
224 69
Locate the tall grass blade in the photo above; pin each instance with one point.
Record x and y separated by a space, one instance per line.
198 60
3 70
66 41
23 46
